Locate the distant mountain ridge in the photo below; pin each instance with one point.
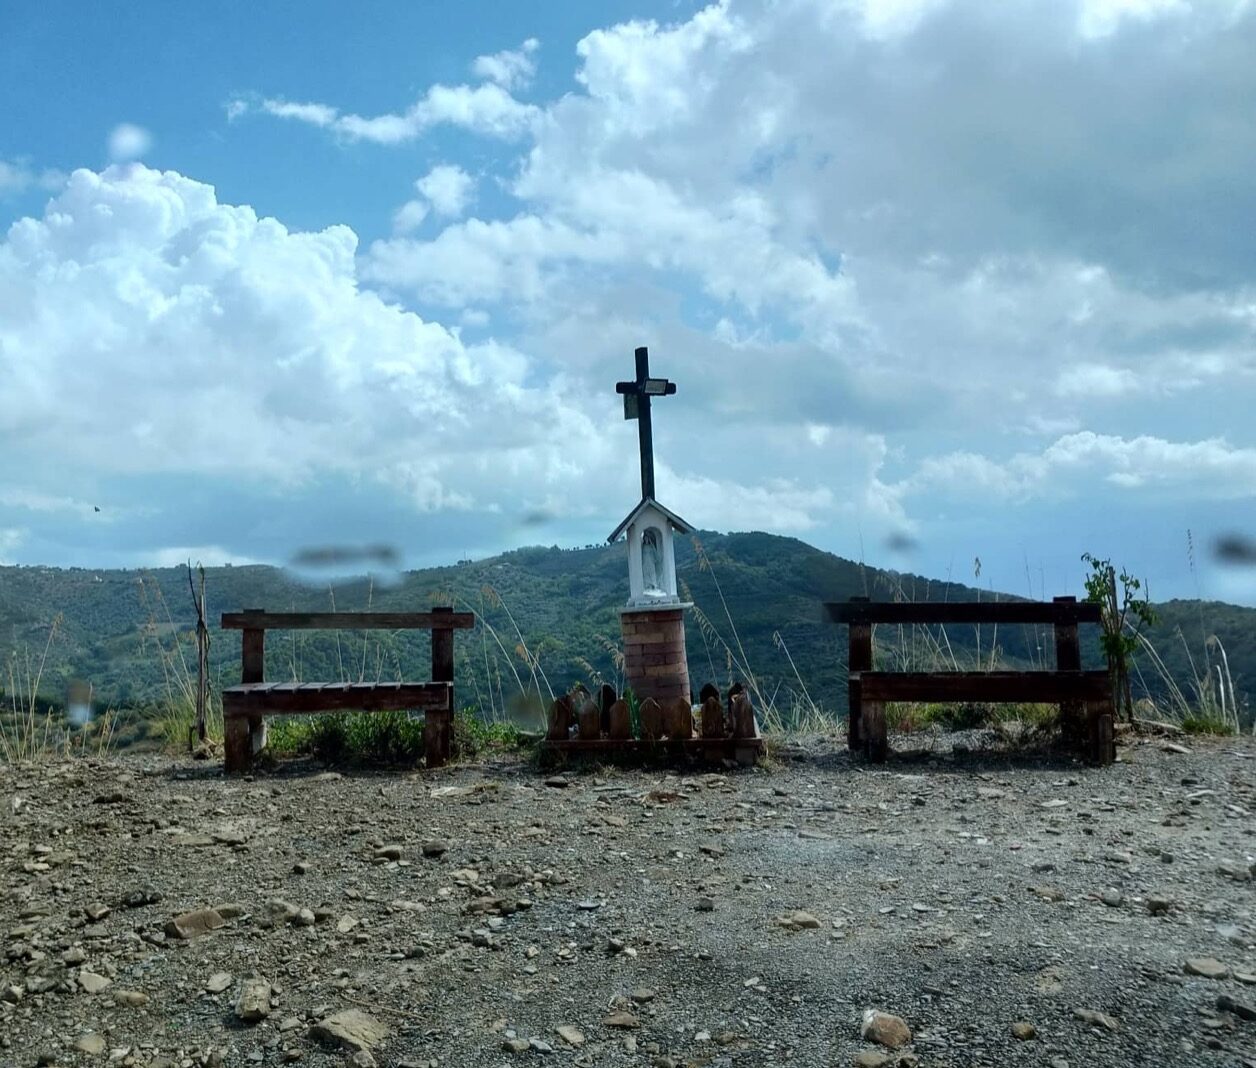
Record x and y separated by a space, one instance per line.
758 602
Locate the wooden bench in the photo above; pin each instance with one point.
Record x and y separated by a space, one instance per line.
245 706
1084 697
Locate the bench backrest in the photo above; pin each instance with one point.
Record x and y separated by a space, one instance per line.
437 619
442 621
1065 611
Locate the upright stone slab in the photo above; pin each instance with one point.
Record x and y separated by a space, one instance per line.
655 664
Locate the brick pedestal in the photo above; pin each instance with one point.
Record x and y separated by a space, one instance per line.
654 652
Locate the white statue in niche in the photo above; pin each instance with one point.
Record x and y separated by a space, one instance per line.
652 561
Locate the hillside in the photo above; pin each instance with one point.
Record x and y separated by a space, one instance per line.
760 595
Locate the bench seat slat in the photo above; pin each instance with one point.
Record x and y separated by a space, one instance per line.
1047 687
259 699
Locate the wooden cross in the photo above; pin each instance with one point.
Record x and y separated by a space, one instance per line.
637 396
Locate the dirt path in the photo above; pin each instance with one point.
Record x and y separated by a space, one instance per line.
640 911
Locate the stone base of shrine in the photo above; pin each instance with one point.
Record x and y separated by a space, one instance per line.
655 663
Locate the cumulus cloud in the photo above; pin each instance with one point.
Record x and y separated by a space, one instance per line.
1082 462
448 187
511 69
486 109
18 176
128 142
223 343
889 248
226 347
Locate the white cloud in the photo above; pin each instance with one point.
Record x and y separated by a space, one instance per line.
448 187
509 69
18 176
1096 380
128 142
897 253
409 216
1102 18
487 109
1084 462
226 346
779 505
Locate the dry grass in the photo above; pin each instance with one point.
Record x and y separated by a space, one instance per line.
31 731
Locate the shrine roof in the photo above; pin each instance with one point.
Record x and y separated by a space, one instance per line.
649 502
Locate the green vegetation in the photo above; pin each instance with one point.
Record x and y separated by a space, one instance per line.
381 738
1124 615
1206 724
548 618
968 715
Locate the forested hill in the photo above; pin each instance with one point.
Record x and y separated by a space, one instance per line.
551 611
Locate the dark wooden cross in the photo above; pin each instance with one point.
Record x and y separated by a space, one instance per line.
637 406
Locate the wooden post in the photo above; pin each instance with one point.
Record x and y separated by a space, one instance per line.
1068 657
1101 742
712 718
620 721
252 651
202 654
606 700
872 727
680 719
437 724
859 659
237 750
589 721
650 713
560 719
743 717
245 738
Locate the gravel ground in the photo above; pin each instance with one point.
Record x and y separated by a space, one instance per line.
743 918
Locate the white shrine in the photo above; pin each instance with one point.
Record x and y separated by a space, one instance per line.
651 554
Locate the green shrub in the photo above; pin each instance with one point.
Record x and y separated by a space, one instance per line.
471 735
1204 724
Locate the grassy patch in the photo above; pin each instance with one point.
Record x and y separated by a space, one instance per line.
1205 724
381 738
964 716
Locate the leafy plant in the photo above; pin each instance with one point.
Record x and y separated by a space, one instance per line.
1125 611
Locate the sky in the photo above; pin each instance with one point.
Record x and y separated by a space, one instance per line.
939 282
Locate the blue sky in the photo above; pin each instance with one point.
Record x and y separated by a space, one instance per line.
976 278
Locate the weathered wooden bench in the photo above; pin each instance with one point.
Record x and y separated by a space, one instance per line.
1084 697
245 707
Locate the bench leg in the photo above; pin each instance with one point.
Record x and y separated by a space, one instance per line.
854 732
237 745
873 731
244 737
437 726
1073 723
1101 748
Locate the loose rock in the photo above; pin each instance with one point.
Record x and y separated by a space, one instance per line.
1206 967
350 1029
885 1029
253 1004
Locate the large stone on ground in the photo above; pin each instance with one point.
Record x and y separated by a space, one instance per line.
253 1004
350 1029
91 1044
1206 967
93 983
885 1029
195 923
